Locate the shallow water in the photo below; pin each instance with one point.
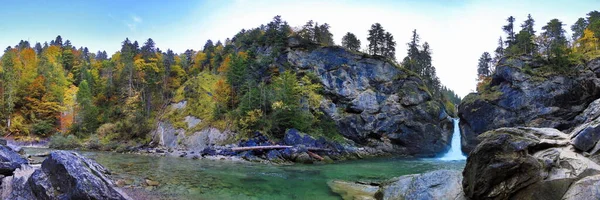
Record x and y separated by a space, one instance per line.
205 179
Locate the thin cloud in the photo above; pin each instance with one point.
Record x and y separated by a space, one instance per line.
136 19
133 22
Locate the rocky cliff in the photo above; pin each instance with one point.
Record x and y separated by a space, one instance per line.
523 92
373 102
376 103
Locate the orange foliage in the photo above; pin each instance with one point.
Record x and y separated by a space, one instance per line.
483 83
225 64
223 93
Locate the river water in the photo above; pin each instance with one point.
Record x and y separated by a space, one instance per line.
182 178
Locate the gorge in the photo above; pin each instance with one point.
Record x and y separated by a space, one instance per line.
283 112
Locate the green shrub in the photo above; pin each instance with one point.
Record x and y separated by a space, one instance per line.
43 128
93 143
58 141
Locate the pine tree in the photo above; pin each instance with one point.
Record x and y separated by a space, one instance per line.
499 52
410 61
376 39
509 30
578 28
9 85
38 48
483 67
322 35
351 42
149 50
556 42
389 50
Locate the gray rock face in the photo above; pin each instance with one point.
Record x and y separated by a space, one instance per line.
441 184
67 175
375 103
584 189
170 137
518 98
16 187
9 160
524 163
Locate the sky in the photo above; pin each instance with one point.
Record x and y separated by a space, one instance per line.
458 31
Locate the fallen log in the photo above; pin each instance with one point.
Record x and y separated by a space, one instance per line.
260 148
316 156
275 147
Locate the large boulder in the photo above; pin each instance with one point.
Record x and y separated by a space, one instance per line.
376 103
10 161
353 190
68 175
434 185
520 94
441 184
524 163
585 137
584 189
16 187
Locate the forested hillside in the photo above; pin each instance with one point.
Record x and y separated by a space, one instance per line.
551 48
240 84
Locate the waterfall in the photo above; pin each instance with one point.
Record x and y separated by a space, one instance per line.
455 153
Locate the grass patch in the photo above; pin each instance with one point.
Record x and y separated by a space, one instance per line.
58 141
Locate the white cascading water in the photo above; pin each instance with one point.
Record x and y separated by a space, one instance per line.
455 153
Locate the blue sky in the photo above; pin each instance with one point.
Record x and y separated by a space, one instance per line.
457 31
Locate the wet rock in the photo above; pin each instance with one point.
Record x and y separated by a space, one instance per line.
353 191
303 158
68 175
273 155
10 161
524 163
440 184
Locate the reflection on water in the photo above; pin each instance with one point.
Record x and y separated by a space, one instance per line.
205 179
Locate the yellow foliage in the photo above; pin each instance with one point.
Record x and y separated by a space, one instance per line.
198 60
251 118
18 125
309 90
53 53
277 105
223 92
243 55
588 42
